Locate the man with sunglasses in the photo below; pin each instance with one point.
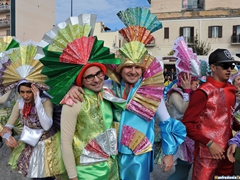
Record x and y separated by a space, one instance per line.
209 119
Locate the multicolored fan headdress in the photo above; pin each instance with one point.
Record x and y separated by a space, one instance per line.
67 49
21 66
6 43
140 24
186 60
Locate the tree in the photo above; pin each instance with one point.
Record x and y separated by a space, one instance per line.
200 47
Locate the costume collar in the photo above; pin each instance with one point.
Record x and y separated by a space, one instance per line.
217 84
123 84
98 95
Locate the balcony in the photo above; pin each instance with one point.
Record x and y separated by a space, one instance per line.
193 7
4 23
189 40
235 39
4 8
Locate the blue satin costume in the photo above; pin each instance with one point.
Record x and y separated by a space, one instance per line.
138 167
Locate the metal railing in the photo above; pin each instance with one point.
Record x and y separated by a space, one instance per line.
4 21
235 39
192 7
4 7
189 40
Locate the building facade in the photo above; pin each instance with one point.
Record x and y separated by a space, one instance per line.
26 19
112 39
211 21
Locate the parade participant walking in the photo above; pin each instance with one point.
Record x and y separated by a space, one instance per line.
209 119
88 136
139 80
37 154
188 73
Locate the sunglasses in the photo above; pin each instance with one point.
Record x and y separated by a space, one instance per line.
225 65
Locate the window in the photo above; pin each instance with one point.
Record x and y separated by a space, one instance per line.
214 31
192 4
187 33
236 34
166 33
8 33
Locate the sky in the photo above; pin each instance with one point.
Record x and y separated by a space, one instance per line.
105 10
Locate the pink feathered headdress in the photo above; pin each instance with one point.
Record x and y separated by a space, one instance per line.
186 60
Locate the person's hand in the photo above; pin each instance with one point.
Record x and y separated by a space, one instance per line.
75 93
11 142
167 161
5 130
74 178
216 151
35 91
186 81
230 152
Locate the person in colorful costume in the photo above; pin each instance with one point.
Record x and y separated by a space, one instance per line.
188 73
235 80
89 124
139 80
8 99
88 136
41 160
209 119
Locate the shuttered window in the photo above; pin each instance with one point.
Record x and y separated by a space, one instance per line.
214 31
187 33
166 33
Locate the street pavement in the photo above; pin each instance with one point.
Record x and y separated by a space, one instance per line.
7 174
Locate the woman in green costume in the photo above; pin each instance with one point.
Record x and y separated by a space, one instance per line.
42 159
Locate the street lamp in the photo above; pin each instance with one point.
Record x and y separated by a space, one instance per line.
71 6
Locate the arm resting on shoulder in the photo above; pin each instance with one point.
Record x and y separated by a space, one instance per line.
68 124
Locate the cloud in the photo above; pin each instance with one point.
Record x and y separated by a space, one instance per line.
106 10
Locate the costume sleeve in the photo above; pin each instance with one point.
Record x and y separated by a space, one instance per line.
4 98
14 115
196 105
44 111
68 124
162 112
173 132
235 140
179 103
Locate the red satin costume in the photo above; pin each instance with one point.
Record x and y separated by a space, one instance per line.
209 117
